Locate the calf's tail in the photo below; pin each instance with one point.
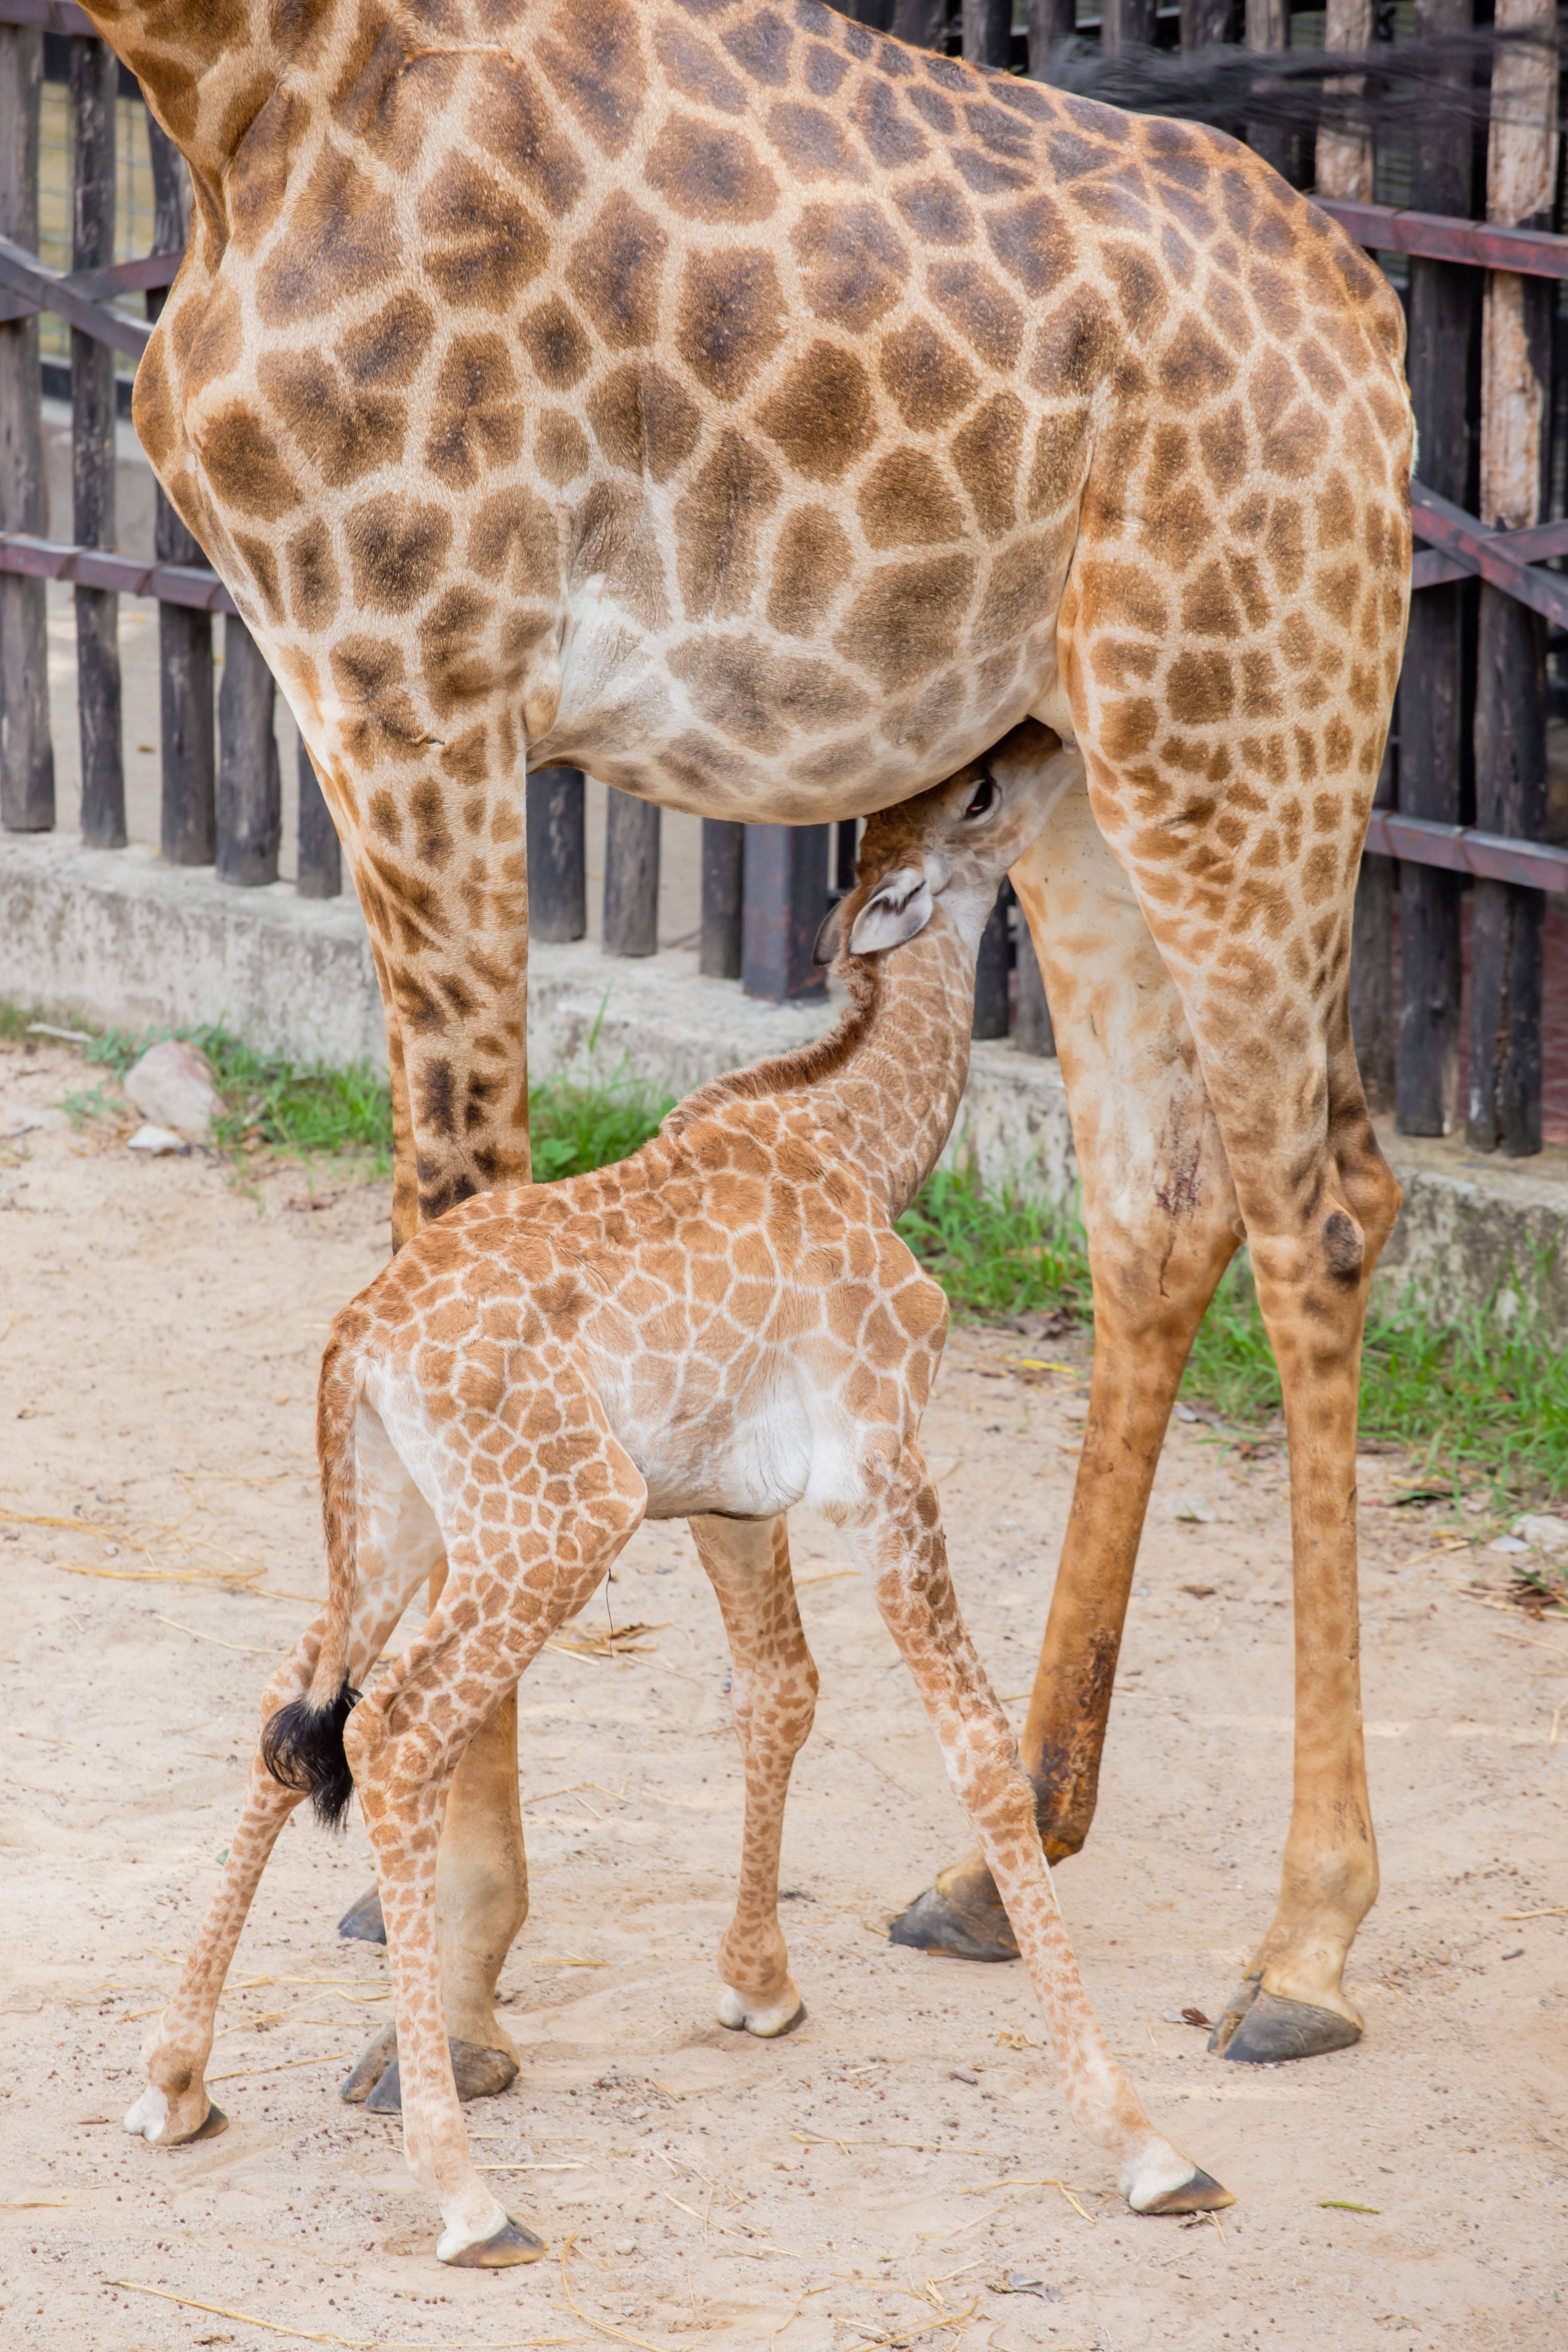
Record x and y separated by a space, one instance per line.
302 1744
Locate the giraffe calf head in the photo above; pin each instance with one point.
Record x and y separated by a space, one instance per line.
954 843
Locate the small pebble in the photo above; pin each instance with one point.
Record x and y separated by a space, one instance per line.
961 2075
626 2245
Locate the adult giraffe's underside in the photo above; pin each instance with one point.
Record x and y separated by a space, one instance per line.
767 416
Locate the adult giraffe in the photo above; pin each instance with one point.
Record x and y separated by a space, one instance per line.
766 416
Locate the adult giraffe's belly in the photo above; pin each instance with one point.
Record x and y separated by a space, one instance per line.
922 661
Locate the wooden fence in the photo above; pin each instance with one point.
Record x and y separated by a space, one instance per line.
1463 803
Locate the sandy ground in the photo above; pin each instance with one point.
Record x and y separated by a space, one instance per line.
876 2178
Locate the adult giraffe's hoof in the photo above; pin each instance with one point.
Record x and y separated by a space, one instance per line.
511 2244
962 1916
1201 2194
767 2024
1263 2028
362 1922
376 2085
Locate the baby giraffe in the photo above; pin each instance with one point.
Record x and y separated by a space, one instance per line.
722 1326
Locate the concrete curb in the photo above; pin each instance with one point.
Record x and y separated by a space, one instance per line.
124 938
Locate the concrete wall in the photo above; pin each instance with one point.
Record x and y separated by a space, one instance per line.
120 937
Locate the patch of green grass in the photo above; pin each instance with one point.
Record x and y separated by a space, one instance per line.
997 1254
575 1125
1478 1398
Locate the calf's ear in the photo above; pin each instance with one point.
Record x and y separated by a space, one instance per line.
830 938
895 911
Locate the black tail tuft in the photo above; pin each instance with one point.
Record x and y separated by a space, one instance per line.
303 1747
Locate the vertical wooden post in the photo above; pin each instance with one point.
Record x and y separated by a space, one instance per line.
1269 30
1126 25
557 856
723 898
1510 683
990 1018
249 786
1344 158
321 856
27 752
1431 689
786 899
1372 962
188 822
922 23
1050 23
1203 22
631 875
988 32
94 77
1032 1031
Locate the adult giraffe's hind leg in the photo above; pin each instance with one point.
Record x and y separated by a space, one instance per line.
1162 1221
1230 690
774 1693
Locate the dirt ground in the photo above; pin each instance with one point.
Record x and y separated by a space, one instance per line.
876 2178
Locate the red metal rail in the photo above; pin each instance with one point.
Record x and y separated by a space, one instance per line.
1527 252
101 567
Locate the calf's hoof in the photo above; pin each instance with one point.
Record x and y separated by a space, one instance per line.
511 2244
149 2120
376 2085
767 2024
1201 2194
362 1922
1264 2029
962 1916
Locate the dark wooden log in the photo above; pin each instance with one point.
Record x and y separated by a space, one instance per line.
723 898
786 899
557 856
188 818
1268 29
1506 920
250 785
27 751
991 973
922 23
1032 1031
1203 22
631 875
1508 923
988 32
1431 716
1126 25
94 76
846 854
321 856
1051 23
1372 962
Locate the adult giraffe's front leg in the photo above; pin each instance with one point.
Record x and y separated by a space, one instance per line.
441 873
1162 1221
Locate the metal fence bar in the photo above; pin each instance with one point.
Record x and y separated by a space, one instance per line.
249 788
557 855
321 856
786 900
991 973
1383 228
27 752
93 78
631 874
1464 849
719 953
